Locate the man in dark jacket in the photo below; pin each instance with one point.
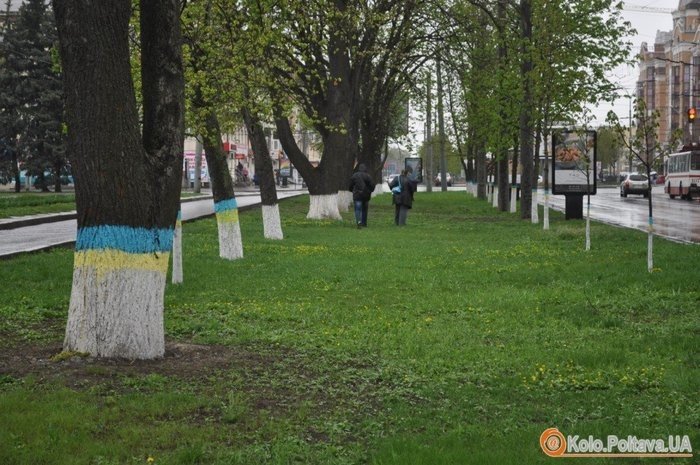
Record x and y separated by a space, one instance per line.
361 186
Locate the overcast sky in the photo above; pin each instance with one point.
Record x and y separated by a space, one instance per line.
646 23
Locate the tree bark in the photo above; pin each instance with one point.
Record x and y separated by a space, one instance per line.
322 180
225 204
127 189
481 173
263 169
526 111
15 171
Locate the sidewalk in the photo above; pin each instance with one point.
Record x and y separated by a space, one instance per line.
41 232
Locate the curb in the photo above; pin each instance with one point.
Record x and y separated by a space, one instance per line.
9 223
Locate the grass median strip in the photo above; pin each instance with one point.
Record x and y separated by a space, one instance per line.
23 204
458 339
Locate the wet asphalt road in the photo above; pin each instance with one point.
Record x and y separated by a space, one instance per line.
675 219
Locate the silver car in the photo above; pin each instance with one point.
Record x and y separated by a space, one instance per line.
634 183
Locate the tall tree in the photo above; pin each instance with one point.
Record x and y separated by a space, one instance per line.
526 109
128 183
648 149
575 46
549 60
31 98
240 42
609 145
206 101
340 62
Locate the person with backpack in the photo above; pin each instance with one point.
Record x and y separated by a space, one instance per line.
402 189
361 186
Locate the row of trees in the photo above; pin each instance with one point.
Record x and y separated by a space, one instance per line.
509 71
517 69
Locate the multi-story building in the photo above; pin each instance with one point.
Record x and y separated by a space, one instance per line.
669 73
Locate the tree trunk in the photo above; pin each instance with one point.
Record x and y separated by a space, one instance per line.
15 171
429 177
127 196
502 151
374 139
466 166
57 177
441 128
535 175
322 180
481 175
335 111
525 111
177 276
225 204
272 226
471 157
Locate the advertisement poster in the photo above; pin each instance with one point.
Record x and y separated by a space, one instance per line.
285 166
574 162
416 164
188 168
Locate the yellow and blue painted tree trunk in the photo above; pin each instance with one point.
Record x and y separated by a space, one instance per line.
116 306
230 241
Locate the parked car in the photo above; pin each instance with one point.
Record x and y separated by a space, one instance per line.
634 183
448 178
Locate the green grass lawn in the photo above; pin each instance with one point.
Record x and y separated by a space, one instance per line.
33 203
455 340
26 203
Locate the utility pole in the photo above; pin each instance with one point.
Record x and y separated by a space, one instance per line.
441 124
629 155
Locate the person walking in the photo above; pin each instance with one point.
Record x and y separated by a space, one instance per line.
361 186
403 200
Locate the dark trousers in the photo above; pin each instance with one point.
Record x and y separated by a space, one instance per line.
400 215
361 207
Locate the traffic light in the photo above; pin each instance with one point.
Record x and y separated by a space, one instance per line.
692 113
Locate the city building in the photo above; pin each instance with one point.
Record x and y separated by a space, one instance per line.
669 73
239 150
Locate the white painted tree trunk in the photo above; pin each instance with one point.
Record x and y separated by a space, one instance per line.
545 222
230 240
177 250
323 207
116 303
588 227
535 211
272 225
494 200
650 246
513 199
344 201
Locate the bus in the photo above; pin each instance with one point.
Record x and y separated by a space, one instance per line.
683 174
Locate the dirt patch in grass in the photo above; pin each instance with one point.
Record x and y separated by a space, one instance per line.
271 378
182 360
